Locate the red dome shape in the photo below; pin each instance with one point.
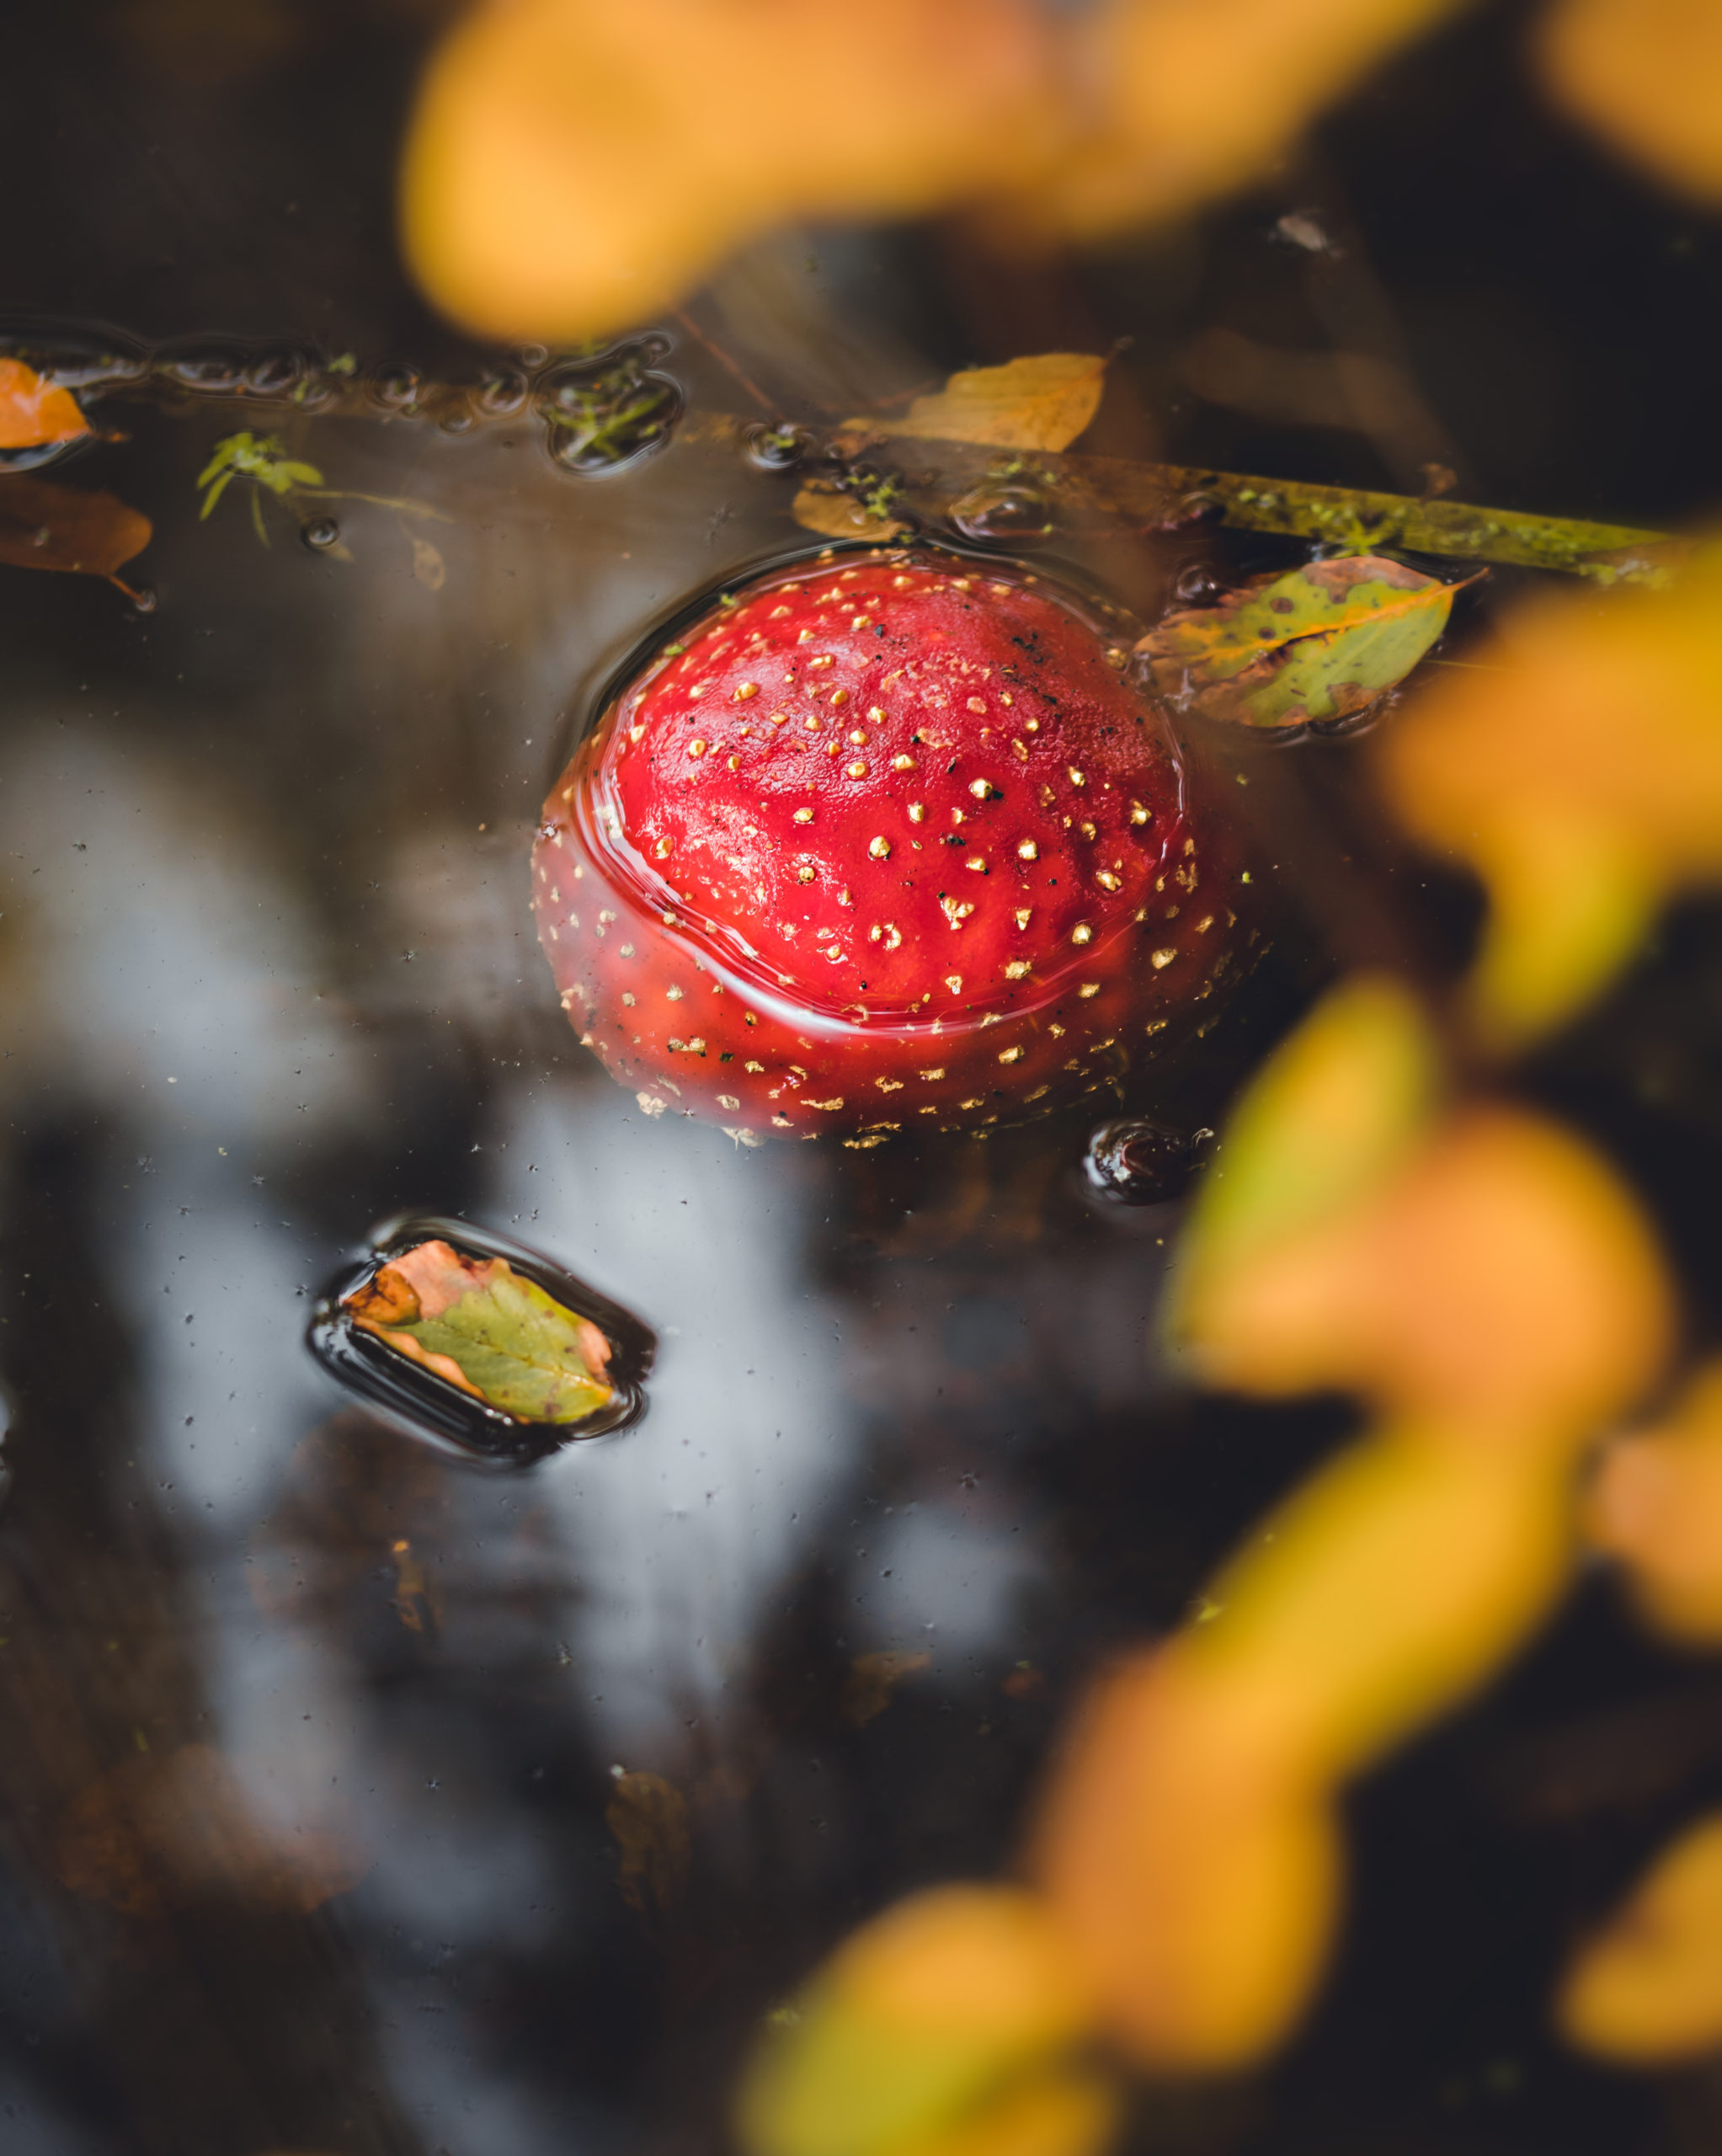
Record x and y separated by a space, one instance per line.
881 842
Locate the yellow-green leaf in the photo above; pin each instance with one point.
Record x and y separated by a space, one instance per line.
484 1328
1036 403
836 516
1321 643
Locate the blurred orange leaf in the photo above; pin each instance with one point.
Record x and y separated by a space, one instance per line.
921 2033
1647 1990
45 527
1647 75
1656 1505
34 412
1577 768
573 166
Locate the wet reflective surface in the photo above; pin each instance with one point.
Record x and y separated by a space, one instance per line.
356 1802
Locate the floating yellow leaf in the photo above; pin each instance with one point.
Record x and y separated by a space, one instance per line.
835 514
34 412
1037 404
1577 768
1656 1505
1647 1990
1647 75
1319 643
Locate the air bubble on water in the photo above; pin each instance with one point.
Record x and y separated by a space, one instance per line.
603 412
274 374
457 420
995 511
1134 1161
1196 584
320 532
503 390
778 448
440 1414
395 386
38 454
143 597
210 368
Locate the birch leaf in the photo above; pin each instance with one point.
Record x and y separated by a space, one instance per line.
34 412
481 1326
1322 642
1033 403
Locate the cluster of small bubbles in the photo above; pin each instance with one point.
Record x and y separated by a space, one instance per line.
778 448
395 386
320 532
1134 1161
995 511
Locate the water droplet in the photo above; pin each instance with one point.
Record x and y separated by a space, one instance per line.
1133 1161
440 1413
995 511
775 449
143 597
458 420
322 531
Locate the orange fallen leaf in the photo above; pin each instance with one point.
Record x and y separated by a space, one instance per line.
1647 76
47 527
1043 402
34 412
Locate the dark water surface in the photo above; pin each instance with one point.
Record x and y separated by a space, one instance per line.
333 1774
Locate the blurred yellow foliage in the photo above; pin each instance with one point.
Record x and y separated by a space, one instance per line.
574 167
1647 75
1647 1990
1656 1504
1577 768
938 2028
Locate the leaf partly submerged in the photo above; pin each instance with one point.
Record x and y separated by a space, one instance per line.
1320 643
44 526
1042 402
35 412
485 1328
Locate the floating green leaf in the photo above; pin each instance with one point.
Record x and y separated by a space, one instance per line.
1322 642
481 1325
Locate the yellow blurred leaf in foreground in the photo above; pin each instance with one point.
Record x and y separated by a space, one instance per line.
1042 402
1656 1505
1577 768
573 166
1647 75
926 2018
1195 98
1647 1990
1494 1274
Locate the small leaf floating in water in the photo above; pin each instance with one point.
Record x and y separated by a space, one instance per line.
1321 644
480 1345
1133 1161
37 417
45 527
